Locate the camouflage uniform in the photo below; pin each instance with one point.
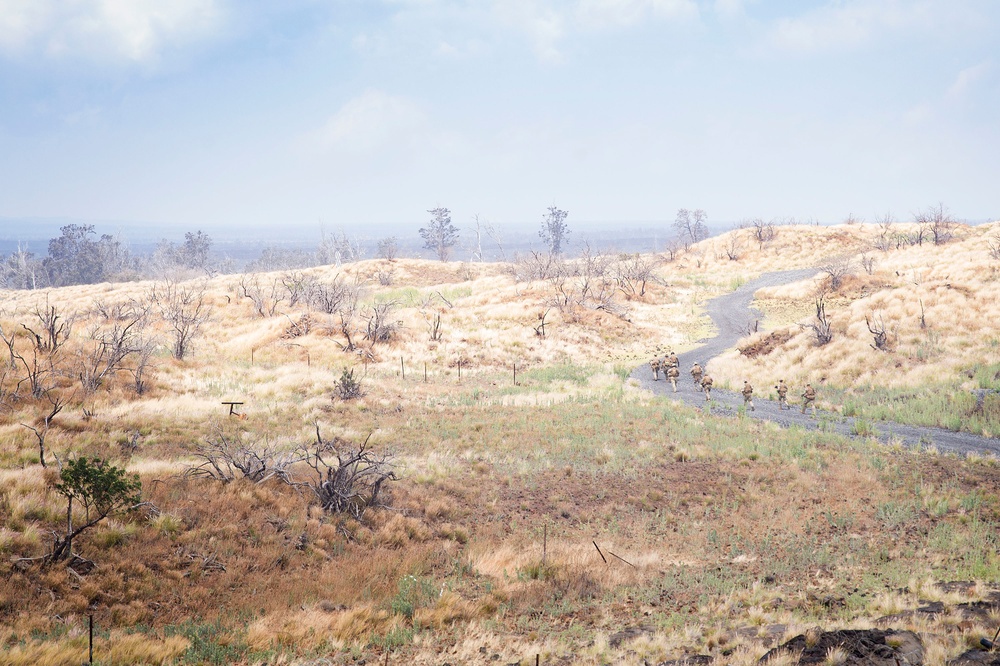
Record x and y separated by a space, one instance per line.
655 365
747 395
782 390
673 361
672 374
696 373
706 386
809 398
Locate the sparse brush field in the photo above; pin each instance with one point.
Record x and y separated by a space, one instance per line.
568 515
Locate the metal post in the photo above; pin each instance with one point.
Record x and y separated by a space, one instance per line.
425 373
91 658
515 374
402 368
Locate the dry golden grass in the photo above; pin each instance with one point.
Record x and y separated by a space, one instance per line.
729 526
121 648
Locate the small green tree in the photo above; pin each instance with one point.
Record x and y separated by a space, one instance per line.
102 488
554 230
440 234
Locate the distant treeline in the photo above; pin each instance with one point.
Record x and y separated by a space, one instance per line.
79 255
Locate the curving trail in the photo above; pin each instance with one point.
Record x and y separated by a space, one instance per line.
731 313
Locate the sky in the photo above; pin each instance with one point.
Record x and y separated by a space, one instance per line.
364 114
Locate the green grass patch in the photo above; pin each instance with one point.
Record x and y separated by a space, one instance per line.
940 406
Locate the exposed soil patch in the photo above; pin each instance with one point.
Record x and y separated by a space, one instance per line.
765 345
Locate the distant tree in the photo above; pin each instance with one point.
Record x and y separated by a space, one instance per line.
691 226
554 230
74 257
937 223
440 235
194 252
103 489
21 270
388 248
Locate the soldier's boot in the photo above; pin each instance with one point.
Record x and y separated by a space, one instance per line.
751 406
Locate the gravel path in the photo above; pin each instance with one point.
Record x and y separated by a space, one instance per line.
731 313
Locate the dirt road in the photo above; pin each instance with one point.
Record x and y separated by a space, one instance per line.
731 313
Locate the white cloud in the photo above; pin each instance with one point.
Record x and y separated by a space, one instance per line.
852 23
599 13
115 30
545 26
368 122
967 80
730 9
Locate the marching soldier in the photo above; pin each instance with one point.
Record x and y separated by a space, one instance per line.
672 374
655 365
782 390
747 395
809 398
673 361
696 373
706 386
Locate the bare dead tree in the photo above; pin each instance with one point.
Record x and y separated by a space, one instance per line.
993 243
381 326
297 286
41 429
633 272
328 297
227 457
348 329
673 248
821 327
38 370
351 484
734 246
494 235
763 232
882 335
108 350
433 321
936 222
54 334
185 310
142 364
538 266
385 275
868 262
265 297
887 232
540 327
837 268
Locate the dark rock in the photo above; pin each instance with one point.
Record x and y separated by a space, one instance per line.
873 647
629 634
693 660
976 658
